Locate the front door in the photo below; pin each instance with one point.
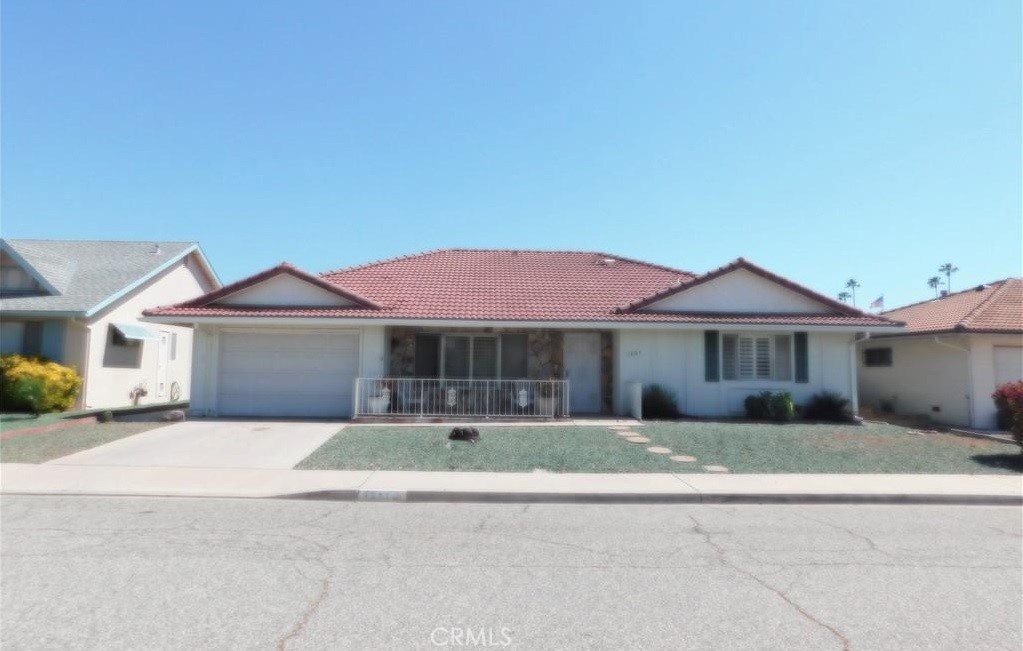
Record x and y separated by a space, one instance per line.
582 368
161 364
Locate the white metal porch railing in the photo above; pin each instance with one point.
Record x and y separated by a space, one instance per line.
472 398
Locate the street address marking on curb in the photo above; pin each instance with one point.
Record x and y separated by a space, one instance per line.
381 495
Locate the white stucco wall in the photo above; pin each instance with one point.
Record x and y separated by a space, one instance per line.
958 377
675 359
285 289
107 386
925 378
740 291
982 362
372 358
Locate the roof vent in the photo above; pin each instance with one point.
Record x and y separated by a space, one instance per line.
606 262
980 288
944 292
156 249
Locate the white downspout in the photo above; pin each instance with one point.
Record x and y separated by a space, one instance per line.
969 374
86 351
854 389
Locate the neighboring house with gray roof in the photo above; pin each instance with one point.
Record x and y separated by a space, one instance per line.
79 302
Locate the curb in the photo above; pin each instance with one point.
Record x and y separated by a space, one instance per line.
481 497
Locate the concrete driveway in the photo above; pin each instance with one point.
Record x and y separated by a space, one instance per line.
212 444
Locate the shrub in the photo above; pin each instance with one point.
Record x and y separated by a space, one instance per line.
770 406
827 406
758 407
36 385
659 402
105 416
782 406
1009 402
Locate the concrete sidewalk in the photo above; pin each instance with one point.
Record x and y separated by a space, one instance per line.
651 488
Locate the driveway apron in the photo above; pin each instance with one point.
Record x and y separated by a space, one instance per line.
212 444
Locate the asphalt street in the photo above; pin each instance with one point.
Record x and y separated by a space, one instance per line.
181 573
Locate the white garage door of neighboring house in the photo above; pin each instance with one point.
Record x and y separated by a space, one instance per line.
1008 364
286 375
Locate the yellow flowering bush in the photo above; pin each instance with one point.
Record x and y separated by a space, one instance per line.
37 385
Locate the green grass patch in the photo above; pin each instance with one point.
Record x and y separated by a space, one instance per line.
821 448
740 447
37 448
500 449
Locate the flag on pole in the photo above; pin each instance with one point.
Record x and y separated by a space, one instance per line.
878 303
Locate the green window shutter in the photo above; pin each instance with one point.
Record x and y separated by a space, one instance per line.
710 355
802 358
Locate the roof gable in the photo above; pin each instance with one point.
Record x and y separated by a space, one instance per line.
49 273
740 287
283 286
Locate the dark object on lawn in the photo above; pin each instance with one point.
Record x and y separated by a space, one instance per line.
658 402
105 416
470 434
827 406
174 415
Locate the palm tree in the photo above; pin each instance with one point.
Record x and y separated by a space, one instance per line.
948 269
934 282
844 296
852 285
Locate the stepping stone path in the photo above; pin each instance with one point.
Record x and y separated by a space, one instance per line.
683 458
638 439
659 450
627 433
715 469
618 428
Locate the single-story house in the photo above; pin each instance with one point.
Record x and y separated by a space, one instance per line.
512 332
79 303
956 349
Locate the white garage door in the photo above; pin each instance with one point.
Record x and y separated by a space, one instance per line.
1008 364
287 375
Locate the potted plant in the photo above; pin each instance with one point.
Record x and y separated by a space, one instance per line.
547 398
380 402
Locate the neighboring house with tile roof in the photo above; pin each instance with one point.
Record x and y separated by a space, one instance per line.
512 333
956 349
79 302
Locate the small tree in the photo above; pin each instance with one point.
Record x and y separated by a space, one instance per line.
844 296
852 285
934 282
948 269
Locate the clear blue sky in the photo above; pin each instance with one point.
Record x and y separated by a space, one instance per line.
824 140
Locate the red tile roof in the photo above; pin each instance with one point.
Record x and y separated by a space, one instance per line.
513 285
994 308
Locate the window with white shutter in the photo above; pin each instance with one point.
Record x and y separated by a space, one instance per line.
756 357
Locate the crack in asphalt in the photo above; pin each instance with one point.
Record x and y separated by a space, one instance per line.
723 560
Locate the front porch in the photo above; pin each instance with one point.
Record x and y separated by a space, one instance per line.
491 372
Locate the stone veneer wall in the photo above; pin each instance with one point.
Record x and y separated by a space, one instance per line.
607 371
403 352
